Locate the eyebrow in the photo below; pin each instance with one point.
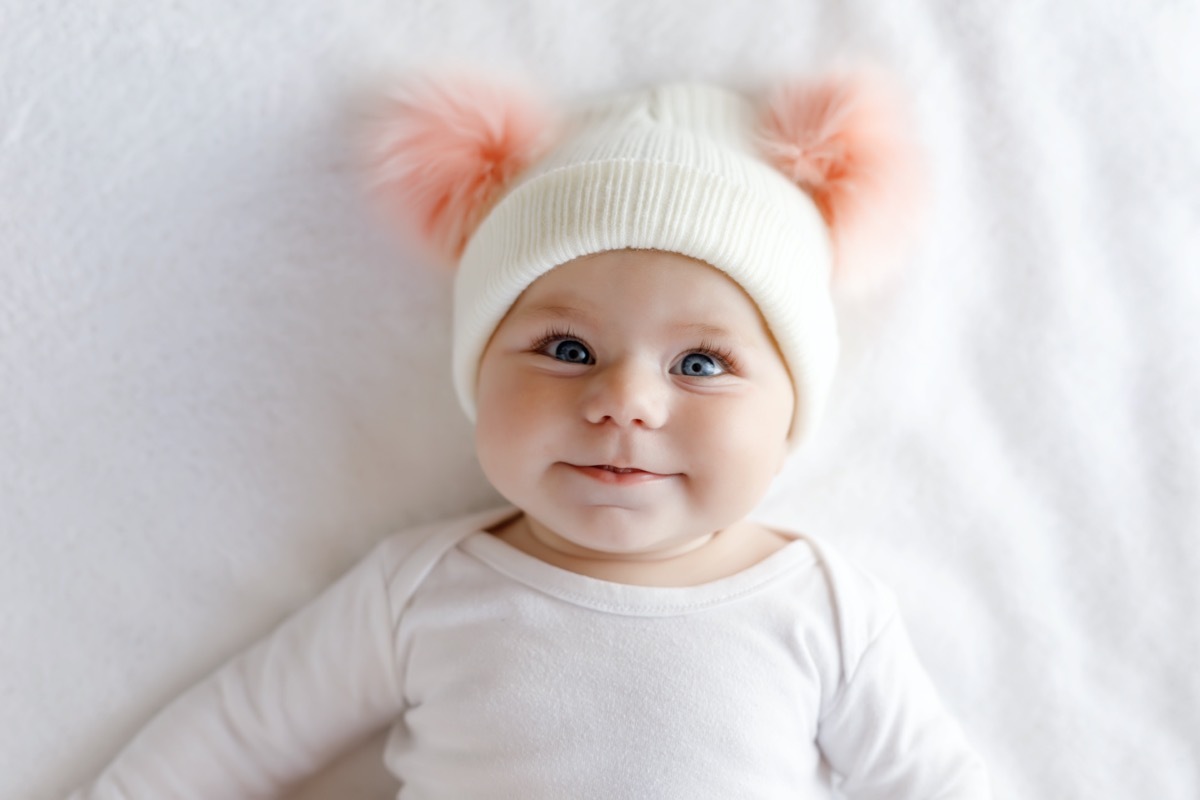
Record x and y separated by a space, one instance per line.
703 330
556 310
566 312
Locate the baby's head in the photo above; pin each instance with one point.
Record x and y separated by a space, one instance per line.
633 398
644 286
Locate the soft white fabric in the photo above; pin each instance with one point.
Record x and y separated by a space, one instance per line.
673 167
506 677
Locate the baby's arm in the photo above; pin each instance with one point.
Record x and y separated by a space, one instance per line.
888 736
277 712
885 732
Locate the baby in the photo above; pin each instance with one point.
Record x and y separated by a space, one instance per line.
643 332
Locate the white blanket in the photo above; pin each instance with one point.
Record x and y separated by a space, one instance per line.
220 382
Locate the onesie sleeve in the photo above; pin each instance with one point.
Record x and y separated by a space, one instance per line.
277 712
884 731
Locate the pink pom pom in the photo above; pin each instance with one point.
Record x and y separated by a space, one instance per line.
843 140
444 151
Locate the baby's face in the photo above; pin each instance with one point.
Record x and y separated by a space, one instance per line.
631 402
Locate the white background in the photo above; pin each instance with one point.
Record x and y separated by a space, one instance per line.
221 380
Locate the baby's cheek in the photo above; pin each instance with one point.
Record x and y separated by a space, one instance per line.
514 408
750 447
539 394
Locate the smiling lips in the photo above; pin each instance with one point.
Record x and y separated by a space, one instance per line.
617 476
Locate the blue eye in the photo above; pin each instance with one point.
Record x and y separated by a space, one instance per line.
572 351
700 365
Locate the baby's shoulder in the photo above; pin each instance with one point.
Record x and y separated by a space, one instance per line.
862 605
406 556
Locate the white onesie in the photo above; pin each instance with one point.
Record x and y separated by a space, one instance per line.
506 677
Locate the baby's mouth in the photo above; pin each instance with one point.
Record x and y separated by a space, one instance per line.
620 476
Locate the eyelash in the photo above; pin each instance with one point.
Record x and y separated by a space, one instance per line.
721 355
551 335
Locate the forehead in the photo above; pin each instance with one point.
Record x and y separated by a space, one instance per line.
634 283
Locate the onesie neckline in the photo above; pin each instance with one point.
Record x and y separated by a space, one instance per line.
631 599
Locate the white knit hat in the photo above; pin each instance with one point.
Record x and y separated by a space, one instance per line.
691 169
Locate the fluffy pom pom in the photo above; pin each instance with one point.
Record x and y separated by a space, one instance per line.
442 152
843 140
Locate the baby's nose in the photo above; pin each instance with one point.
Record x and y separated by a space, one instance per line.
627 394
